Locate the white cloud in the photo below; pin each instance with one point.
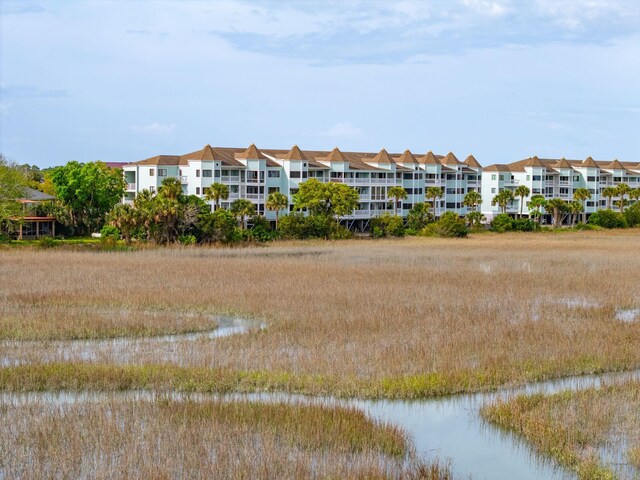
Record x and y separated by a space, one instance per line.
486 7
154 128
344 130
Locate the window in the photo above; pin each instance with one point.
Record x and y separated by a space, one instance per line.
493 176
197 173
591 178
451 176
451 191
576 178
304 174
152 189
216 173
294 174
407 176
536 191
197 190
207 173
273 190
274 174
528 177
501 177
162 172
493 190
537 178
151 172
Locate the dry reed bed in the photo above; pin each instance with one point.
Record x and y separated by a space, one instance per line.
596 431
412 317
204 439
29 321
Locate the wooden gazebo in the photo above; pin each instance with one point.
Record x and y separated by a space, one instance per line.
32 226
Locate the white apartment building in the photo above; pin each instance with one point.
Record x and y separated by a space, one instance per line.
253 174
555 178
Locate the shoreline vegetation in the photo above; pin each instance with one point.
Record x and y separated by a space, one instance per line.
204 438
593 432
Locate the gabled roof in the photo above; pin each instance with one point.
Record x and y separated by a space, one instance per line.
251 153
472 162
497 168
562 163
615 165
589 163
451 159
534 162
334 156
31 196
295 154
429 159
207 153
159 160
382 157
407 158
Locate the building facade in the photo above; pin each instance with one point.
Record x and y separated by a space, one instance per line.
253 174
556 178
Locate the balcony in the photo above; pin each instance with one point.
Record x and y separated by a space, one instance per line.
512 182
364 197
183 179
131 187
230 179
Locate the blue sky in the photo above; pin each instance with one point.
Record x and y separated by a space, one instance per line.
502 79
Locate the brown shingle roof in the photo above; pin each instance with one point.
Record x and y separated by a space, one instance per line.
382 157
589 163
429 159
295 154
407 158
451 159
615 165
159 160
472 162
562 163
251 153
334 156
497 167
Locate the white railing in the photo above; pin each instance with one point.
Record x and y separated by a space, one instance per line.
364 197
254 196
230 179
183 179
234 196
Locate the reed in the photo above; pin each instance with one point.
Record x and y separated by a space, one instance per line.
167 438
411 317
594 431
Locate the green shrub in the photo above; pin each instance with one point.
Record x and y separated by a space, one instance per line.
298 226
586 226
219 226
4 238
47 242
109 235
449 225
387 225
187 239
260 230
608 219
524 225
632 215
418 217
502 223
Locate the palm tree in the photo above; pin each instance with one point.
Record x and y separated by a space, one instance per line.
621 191
558 207
536 204
170 188
472 200
609 193
502 199
634 194
522 191
582 195
575 207
241 209
216 192
277 201
397 193
434 193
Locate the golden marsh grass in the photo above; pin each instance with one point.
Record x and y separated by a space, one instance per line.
137 438
579 429
415 316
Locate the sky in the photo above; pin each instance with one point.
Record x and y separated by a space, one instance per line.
121 81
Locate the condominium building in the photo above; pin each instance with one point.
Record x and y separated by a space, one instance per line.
556 178
253 174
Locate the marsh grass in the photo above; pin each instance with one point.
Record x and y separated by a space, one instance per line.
404 318
201 439
590 431
38 321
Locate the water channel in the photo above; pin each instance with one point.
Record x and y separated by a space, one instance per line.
446 428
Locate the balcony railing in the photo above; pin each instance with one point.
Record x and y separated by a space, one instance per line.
183 179
230 179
